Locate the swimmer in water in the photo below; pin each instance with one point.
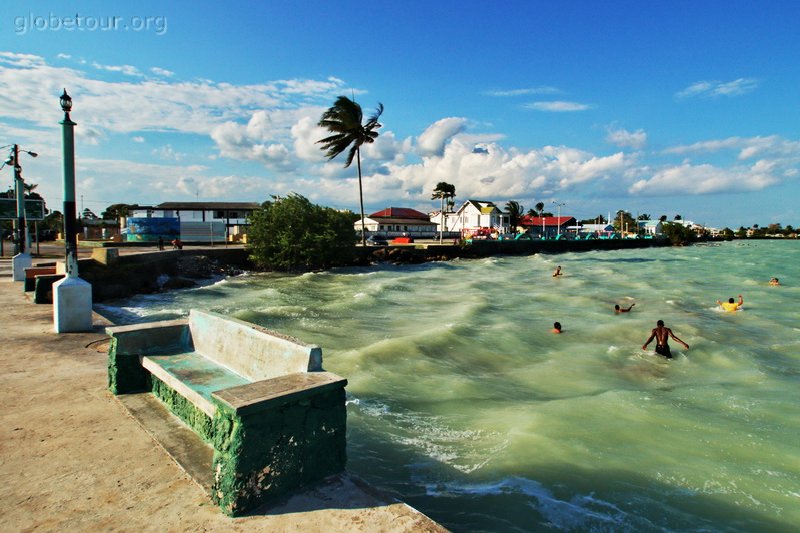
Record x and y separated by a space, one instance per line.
730 305
774 281
556 327
662 335
618 309
557 272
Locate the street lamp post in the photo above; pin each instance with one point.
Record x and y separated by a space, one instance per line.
558 219
70 216
22 258
72 296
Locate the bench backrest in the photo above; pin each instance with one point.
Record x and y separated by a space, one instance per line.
253 352
32 272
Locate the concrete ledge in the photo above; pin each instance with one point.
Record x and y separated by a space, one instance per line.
267 394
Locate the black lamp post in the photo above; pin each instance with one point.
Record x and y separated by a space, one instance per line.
19 192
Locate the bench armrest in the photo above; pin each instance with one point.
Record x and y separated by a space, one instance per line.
161 338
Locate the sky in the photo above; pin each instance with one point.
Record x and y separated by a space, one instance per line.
660 108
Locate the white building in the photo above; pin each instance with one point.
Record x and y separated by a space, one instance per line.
397 222
202 221
475 216
651 227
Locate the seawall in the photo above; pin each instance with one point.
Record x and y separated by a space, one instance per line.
117 276
114 275
419 253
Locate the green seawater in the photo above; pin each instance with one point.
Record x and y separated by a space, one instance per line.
463 403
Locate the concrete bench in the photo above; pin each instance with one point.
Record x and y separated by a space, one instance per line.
31 272
275 419
43 288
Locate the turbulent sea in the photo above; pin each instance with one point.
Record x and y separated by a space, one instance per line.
463 403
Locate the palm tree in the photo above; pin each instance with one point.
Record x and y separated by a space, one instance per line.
343 119
515 210
540 207
443 191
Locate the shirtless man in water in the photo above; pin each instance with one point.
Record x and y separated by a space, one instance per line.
662 335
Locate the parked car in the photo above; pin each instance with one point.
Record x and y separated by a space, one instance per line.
377 240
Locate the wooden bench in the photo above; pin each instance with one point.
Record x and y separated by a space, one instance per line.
275 419
29 283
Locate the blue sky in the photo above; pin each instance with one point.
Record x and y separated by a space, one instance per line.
652 107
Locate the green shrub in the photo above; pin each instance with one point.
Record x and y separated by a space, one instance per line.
292 234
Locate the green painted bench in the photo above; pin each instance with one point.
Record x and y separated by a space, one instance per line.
275 418
43 288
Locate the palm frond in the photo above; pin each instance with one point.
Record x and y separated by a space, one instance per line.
350 155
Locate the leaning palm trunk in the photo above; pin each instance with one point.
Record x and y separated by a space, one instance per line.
361 199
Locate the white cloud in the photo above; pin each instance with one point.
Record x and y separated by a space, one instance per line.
168 153
523 92
557 106
306 133
127 70
711 89
432 141
31 88
627 139
706 179
138 139
748 147
162 72
264 137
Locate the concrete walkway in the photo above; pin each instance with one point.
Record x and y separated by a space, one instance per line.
72 458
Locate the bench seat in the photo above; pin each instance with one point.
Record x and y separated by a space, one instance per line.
193 376
275 418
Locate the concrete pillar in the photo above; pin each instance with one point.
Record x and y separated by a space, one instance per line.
18 265
72 305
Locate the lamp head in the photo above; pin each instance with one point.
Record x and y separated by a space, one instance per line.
66 102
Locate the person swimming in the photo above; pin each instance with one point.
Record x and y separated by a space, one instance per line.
556 327
662 335
618 309
731 305
557 272
774 281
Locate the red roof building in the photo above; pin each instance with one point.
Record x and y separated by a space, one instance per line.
538 222
546 227
398 221
399 212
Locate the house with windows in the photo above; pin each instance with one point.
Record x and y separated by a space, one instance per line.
475 217
398 222
598 230
651 227
547 227
190 221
